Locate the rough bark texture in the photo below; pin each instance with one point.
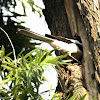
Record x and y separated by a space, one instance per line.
92 24
73 82
83 24
79 17
56 17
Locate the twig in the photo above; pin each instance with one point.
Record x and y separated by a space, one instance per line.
11 45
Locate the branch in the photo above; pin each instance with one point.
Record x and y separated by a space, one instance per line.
11 45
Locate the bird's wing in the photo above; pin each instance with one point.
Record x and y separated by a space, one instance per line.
34 35
51 36
60 38
67 40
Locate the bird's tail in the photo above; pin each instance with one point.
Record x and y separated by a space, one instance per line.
34 35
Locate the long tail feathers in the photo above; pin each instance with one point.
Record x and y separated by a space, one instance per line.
34 35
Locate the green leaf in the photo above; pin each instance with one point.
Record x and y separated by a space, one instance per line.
10 74
37 57
28 76
3 93
7 59
24 62
66 61
2 51
74 96
68 97
5 98
82 98
57 96
28 54
9 68
50 90
6 81
43 55
19 55
29 70
23 95
93 98
9 54
58 57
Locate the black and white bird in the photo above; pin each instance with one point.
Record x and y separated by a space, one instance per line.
64 45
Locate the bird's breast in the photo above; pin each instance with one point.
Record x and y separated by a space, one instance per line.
65 47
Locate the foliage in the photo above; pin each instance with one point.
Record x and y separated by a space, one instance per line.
75 96
10 26
12 4
26 77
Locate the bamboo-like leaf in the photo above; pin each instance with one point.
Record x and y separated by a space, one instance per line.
48 59
93 98
73 97
42 55
19 55
7 67
28 77
9 54
32 64
31 58
5 98
76 97
28 54
8 59
68 97
3 94
10 74
58 58
50 90
6 81
29 70
82 98
12 65
2 51
27 66
37 57
66 61
57 96
24 61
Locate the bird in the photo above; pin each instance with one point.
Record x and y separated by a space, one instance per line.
64 45
70 42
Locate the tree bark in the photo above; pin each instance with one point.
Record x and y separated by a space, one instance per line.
82 18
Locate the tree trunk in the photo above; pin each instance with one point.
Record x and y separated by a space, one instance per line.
82 18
